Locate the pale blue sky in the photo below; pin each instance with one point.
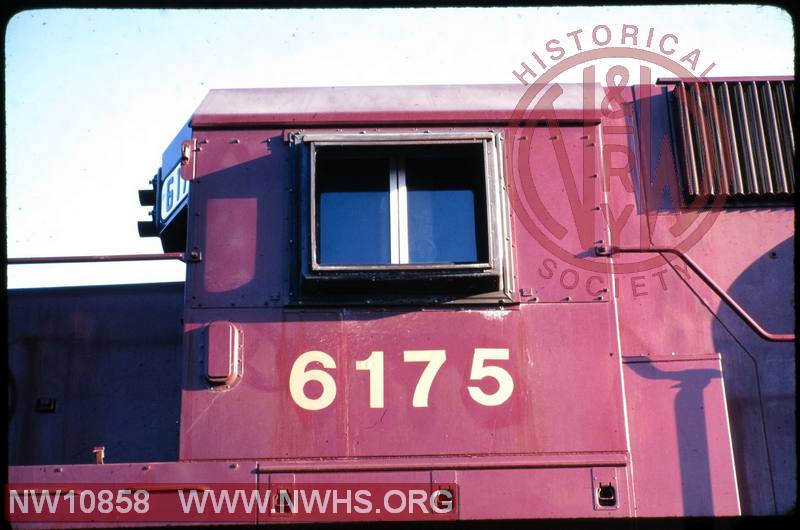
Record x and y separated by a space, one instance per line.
94 96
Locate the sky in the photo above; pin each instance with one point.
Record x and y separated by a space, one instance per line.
93 97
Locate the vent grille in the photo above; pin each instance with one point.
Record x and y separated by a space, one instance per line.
737 138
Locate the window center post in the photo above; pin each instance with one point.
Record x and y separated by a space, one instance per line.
398 210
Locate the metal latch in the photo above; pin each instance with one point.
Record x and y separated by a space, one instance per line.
188 149
606 495
604 486
45 404
186 152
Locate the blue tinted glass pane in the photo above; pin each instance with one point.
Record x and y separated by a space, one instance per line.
354 227
441 226
446 204
353 207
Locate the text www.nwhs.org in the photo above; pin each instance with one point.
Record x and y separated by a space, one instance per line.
232 503
333 501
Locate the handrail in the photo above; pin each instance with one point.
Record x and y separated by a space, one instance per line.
774 337
94 259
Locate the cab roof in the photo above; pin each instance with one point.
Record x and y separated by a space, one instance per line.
373 104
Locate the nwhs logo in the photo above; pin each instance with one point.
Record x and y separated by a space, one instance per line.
603 195
602 36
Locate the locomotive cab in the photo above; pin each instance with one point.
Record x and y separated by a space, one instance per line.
422 285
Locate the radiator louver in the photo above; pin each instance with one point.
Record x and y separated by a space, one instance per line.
736 138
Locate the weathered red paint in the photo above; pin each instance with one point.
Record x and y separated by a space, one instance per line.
644 379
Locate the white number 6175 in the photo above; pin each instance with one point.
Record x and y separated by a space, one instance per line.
301 375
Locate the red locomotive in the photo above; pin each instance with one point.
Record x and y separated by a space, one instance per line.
548 311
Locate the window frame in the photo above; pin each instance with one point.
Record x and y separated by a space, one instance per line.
398 214
499 263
